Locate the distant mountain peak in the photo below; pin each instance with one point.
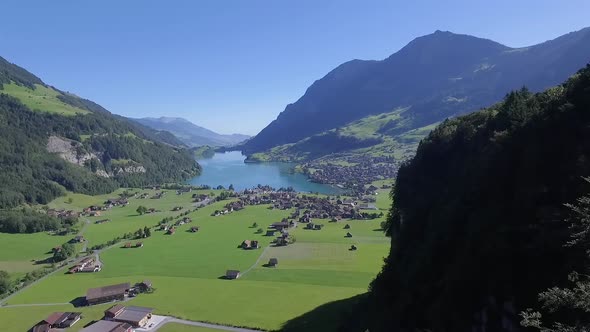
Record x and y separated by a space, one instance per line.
190 133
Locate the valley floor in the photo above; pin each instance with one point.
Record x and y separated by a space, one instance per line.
186 268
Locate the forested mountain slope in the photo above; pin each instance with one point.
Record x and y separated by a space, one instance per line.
434 77
52 140
477 225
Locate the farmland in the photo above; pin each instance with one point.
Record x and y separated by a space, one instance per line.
186 268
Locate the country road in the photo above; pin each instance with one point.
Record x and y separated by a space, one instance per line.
201 324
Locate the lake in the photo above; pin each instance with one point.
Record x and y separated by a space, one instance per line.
229 168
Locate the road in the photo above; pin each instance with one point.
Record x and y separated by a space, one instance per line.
201 324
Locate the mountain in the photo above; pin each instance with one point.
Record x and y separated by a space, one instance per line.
54 141
434 77
191 134
479 225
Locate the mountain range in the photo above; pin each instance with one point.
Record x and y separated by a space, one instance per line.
434 77
191 134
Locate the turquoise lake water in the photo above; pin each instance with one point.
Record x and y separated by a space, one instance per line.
229 168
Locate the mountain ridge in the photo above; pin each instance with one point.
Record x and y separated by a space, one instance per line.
189 133
439 75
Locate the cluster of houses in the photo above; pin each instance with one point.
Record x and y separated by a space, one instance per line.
95 210
306 207
361 172
88 264
63 214
171 229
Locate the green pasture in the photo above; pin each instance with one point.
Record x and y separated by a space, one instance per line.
42 98
186 268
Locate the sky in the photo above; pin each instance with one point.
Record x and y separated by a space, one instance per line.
233 65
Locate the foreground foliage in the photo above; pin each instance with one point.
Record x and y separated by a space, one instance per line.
477 225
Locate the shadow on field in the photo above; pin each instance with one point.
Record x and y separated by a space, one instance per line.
325 318
79 302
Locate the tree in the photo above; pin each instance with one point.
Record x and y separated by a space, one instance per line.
147 232
67 250
139 234
259 231
574 302
4 282
254 225
231 187
141 210
70 200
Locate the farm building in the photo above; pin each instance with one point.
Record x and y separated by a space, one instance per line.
107 293
144 286
273 262
279 225
232 274
108 326
194 229
139 245
57 320
127 245
171 230
134 316
309 225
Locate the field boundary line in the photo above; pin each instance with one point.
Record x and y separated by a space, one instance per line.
257 261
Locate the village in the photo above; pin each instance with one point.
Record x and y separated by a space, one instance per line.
272 219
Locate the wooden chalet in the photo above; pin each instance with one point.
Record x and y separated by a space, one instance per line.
107 293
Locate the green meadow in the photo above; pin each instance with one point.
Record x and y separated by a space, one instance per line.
42 98
187 268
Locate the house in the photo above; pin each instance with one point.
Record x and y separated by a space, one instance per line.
107 293
246 244
139 245
348 235
279 225
254 244
134 316
77 239
145 286
171 230
270 233
273 262
281 241
232 274
194 229
309 225
128 245
317 227
108 326
94 213
58 320
368 206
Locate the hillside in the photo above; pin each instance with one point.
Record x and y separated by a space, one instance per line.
478 218
191 134
434 77
54 141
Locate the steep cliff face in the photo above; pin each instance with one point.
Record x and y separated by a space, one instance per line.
477 226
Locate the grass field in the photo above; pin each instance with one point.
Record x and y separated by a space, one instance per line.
42 98
186 267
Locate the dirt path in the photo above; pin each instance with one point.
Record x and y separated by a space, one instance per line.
255 263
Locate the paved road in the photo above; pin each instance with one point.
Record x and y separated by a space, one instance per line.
33 305
201 324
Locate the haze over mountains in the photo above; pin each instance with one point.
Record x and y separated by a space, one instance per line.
191 134
434 77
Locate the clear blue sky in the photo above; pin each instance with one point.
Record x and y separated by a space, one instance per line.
232 66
